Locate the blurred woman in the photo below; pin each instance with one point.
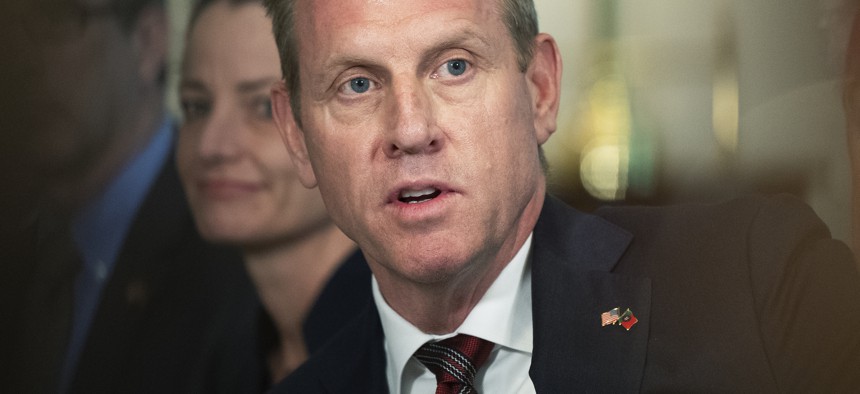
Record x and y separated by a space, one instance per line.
244 191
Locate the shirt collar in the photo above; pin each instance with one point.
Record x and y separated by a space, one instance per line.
502 316
100 228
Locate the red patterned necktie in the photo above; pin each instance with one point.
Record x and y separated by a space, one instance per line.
455 362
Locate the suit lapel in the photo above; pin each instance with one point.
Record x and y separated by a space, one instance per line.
572 284
359 362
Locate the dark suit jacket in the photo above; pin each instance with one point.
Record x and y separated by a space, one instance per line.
164 314
748 296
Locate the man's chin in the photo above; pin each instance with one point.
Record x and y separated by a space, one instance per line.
436 270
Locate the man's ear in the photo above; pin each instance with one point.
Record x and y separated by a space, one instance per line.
292 134
150 40
544 81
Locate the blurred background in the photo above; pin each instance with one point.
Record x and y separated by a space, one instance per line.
670 101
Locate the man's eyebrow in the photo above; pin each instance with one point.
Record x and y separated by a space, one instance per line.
343 62
466 38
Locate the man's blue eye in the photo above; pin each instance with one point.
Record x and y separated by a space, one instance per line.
456 67
359 85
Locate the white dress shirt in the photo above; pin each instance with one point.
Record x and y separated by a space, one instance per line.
502 316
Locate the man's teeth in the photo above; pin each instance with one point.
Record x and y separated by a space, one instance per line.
417 193
419 196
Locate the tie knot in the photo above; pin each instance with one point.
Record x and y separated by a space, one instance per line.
455 362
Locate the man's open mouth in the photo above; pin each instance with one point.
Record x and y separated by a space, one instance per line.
418 196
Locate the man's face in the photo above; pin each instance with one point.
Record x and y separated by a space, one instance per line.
84 70
421 132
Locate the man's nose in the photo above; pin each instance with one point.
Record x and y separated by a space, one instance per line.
412 129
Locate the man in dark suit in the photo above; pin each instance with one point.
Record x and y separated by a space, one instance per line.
112 289
421 122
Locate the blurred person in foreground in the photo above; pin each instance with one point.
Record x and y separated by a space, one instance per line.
422 124
244 190
114 290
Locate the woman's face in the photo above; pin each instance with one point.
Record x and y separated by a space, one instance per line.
236 171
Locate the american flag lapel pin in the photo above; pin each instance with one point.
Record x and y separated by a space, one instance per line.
614 316
609 317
